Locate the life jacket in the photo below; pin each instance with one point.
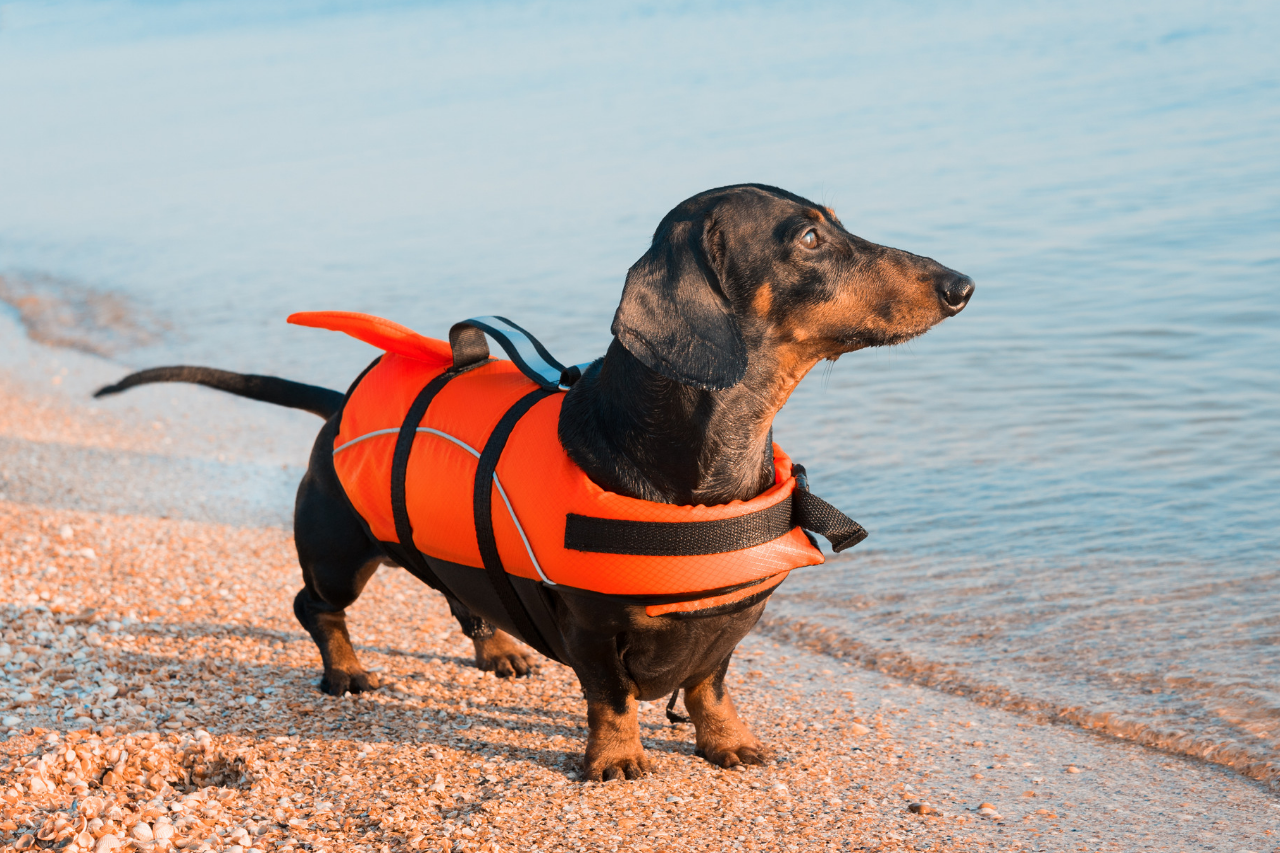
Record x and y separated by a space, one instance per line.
453 459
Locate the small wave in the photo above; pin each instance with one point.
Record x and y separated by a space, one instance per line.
64 313
1246 755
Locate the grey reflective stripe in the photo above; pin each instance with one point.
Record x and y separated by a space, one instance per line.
392 431
528 352
501 491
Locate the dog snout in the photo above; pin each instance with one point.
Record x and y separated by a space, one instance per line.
954 290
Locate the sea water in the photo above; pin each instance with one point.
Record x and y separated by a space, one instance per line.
1072 488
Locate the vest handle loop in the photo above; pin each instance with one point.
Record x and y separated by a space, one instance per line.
469 346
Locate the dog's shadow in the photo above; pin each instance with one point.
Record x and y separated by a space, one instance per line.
386 716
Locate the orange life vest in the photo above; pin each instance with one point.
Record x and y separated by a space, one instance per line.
549 522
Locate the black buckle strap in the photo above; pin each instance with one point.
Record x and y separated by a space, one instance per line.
483 510
802 509
811 512
399 472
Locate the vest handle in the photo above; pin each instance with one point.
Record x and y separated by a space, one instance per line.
467 340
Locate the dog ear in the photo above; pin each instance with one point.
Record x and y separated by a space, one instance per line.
674 316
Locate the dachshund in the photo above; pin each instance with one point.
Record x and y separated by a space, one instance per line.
743 290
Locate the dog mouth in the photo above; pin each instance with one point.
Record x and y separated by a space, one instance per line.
868 338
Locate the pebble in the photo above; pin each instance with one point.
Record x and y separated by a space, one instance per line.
989 811
922 808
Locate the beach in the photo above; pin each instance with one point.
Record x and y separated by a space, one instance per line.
159 694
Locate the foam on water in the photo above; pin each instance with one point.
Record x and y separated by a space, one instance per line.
1072 487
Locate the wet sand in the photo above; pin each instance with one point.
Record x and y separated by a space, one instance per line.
158 689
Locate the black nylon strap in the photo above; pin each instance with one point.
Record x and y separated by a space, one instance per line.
802 509
677 538
483 509
813 513
400 469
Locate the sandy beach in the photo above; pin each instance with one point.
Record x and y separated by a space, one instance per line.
158 694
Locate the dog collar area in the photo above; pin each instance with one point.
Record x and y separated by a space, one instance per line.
452 460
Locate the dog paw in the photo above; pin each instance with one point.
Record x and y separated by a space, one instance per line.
629 764
338 682
503 656
733 754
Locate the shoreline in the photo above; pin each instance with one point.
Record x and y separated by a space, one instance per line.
188 620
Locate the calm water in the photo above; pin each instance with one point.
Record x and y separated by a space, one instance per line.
1073 488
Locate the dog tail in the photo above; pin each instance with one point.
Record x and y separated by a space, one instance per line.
268 389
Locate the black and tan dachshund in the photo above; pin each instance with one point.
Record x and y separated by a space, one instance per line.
743 290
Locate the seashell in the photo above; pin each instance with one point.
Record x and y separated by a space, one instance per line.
26 842
83 840
37 785
107 844
142 831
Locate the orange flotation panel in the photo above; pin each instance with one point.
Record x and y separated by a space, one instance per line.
550 522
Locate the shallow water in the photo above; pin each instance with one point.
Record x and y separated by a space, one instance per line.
1072 487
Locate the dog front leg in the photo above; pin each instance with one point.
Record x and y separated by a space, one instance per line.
614 750
722 737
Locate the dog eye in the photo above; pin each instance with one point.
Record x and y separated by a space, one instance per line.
809 239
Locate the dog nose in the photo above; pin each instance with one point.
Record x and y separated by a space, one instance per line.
954 290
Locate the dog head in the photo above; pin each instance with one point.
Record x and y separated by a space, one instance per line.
750 269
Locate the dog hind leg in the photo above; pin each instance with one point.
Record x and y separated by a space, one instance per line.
327 626
337 559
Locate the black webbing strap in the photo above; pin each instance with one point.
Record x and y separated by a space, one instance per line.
400 469
813 513
676 538
802 509
674 716
483 508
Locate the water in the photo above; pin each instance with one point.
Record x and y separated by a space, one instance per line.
1072 487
